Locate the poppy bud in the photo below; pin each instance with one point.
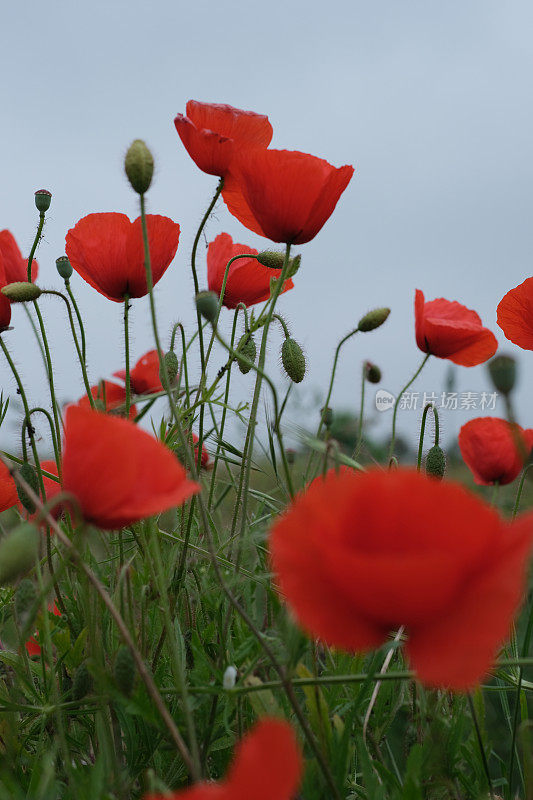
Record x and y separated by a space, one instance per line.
21 292
327 416
125 671
273 259
64 267
27 472
18 552
43 198
82 683
207 305
436 462
372 372
373 319
247 348
139 166
171 362
502 370
25 600
293 360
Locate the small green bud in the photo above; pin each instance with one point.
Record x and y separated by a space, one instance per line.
293 360
125 671
273 259
373 319
207 305
171 362
372 372
28 473
18 552
139 166
21 292
64 267
502 371
248 349
327 416
436 462
82 683
25 601
43 198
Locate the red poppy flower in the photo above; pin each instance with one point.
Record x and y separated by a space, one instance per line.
359 555
8 489
144 377
490 449
15 266
118 473
5 305
204 461
515 315
447 329
284 195
213 133
267 766
33 647
51 487
248 280
109 396
107 251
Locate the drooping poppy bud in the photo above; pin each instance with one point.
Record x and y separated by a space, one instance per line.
374 319
28 473
436 462
207 305
18 552
372 372
124 671
21 292
43 198
139 166
247 348
64 267
171 366
293 360
502 371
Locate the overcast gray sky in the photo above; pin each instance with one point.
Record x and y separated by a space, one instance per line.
430 101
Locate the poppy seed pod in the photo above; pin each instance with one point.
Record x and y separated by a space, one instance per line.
502 371
247 348
64 267
372 372
43 198
374 319
139 166
21 292
293 360
436 462
25 600
18 552
27 473
207 305
171 362
125 671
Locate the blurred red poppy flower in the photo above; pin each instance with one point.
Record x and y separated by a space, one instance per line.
447 329
15 266
117 472
515 315
284 195
213 133
204 461
361 554
33 647
8 489
144 377
107 251
109 396
51 487
267 766
5 305
492 451
248 280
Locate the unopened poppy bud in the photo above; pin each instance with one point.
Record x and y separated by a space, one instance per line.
82 683
372 372
21 292
373 319
247 348
18 552
290 454
139 166
230 676
125 671
273 259
28 473
436 462
502 370
43 198
171 362
25 600
207 305
327 416
293 360
64 267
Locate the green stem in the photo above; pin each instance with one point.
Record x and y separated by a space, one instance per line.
36 332
127 354
53 399
36 241
80 321
361 413
423 430
397 403
480 743
520 488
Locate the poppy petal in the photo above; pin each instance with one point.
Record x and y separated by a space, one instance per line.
515 315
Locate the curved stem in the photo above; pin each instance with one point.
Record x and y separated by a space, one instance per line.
36 241
52 429
80 321
397 403
50 370
283 325
520 489
423 430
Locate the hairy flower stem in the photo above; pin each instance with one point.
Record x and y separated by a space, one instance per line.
80 321
480 743
359 441
428 407
50 371
36 241
397 403
127 354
